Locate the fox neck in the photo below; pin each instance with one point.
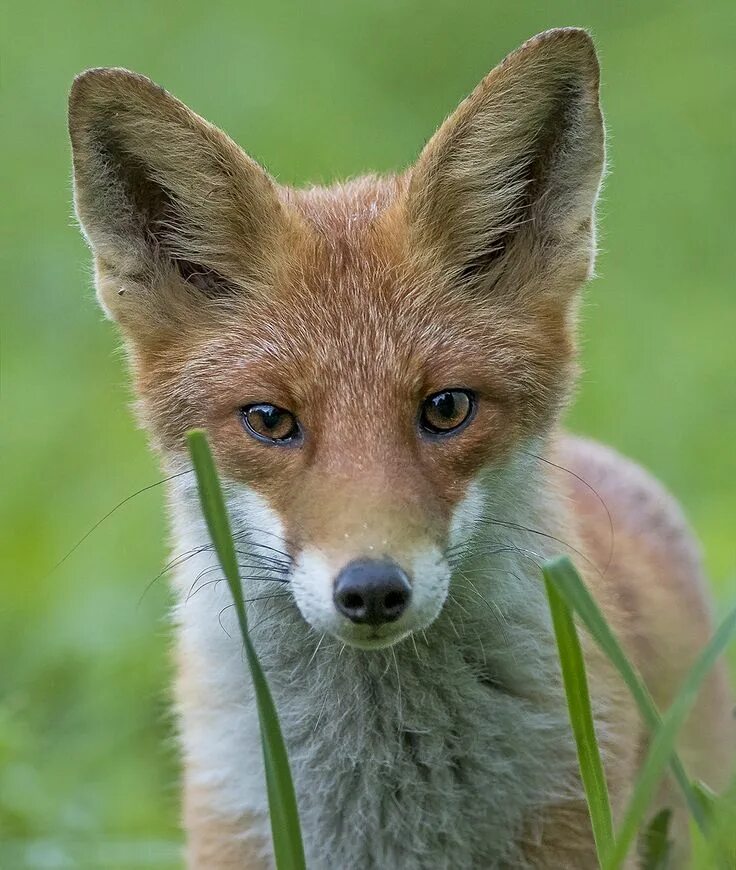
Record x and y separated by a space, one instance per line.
462 726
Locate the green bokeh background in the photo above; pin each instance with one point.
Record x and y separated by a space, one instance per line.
316 91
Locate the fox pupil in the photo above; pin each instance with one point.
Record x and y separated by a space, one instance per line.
271 417
445 405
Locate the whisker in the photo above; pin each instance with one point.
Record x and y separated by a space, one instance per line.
192 591
612 529
286 541
524 552
272 613
517 527
266 616
465 548
173 563
458 604
246 529
246 600
182 558
280 557
219 619
449 619
269 597
109 514
491 605
243 578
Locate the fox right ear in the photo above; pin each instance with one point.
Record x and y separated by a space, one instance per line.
505 191
164 197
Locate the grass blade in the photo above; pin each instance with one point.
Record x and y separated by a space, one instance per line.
581 719
718 849
656 846
285 829
707 797
663 742
578 598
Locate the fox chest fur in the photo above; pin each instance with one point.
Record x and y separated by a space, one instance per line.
441 751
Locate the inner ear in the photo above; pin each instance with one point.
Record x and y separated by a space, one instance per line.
509 181
532 176
162 193
154 208
207 281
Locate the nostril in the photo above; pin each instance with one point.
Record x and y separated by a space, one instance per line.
352 605
394 600
372 591
352 600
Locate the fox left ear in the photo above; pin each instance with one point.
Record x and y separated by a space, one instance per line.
170 205
504 193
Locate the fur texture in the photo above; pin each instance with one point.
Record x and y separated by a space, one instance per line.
392 750
440 739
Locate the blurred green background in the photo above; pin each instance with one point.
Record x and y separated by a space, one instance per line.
315 91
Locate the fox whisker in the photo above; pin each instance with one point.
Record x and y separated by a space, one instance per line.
255 599
505 547
174 563
244 578
594 491
517 527
491 605
113 510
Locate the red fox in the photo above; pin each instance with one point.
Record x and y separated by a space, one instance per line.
381 368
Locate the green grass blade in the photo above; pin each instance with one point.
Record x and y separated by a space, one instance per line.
718 849
578 598
707 797
581 719
285 828
656 846
663 742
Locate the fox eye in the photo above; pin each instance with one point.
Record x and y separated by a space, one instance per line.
446 411
270 423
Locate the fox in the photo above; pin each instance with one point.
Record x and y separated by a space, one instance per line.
381 367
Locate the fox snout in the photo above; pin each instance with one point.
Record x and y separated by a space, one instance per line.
372 591
368 557
370 601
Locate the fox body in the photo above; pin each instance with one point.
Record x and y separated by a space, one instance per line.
381 367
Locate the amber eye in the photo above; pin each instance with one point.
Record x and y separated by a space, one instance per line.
446 411
270 423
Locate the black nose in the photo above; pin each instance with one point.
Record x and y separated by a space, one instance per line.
372 591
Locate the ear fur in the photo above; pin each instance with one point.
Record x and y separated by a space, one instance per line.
163 195
509 181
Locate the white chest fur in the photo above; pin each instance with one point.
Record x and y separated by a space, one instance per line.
431 753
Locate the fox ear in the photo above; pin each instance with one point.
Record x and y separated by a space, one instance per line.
508 183
163 196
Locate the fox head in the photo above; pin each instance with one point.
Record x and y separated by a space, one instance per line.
361 355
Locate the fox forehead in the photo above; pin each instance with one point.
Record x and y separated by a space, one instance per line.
355 323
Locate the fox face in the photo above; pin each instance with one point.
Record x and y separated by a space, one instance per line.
362 356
